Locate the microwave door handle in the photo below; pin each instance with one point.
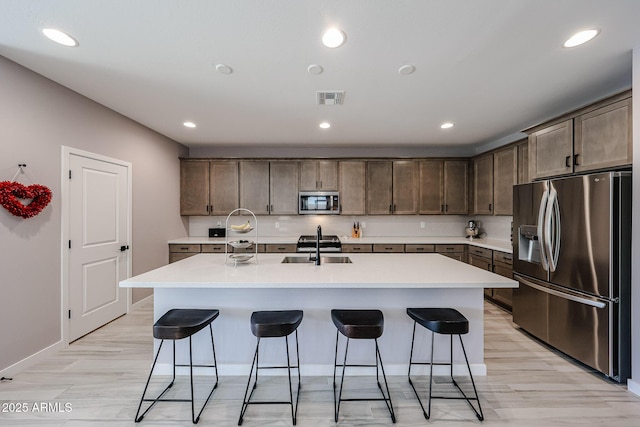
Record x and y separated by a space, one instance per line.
541 236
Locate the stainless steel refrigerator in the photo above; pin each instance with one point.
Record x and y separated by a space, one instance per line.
572 258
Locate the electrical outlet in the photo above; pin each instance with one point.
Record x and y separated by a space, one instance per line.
277 224
363 224
422 224
219 224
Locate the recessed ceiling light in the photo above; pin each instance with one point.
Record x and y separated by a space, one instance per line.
223 69
60 37
325 125
406 69
189 124
333 38
314 69
580 38
446 125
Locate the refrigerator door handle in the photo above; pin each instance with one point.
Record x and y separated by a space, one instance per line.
552 229
541 230
570 297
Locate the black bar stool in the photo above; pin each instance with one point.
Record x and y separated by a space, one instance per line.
359 324
174 325
447 321
272 324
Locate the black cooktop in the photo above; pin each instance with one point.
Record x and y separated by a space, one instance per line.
327 238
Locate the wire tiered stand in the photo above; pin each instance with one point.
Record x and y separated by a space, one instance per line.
241 257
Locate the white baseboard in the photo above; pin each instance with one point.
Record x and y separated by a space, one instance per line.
143 301
30 361
633 387
325 370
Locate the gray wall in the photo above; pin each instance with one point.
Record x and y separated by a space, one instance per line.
37 117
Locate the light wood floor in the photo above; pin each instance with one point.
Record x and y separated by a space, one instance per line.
100 377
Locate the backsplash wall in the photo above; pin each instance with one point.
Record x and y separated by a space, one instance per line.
496 227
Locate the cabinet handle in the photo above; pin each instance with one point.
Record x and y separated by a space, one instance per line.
395 208
575 160
271 208
441 208
490 207
320 183
390 208
446 208
566 161
267 208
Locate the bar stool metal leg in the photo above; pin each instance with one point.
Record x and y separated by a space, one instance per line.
159 398
246 401
338 399
427 412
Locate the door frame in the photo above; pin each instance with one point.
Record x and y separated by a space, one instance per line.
66 153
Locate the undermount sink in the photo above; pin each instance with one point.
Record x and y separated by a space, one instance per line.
323 260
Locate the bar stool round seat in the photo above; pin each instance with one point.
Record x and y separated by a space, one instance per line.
174 325
269 324
359 324
444 321
274 324
181 323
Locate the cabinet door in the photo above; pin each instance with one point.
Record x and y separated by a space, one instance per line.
480 262
456 187
328 174
308 175
379 187
603 137
431 179
505 166
194 187
352 187
223 187
405 187
319 175
254 186
284 188
483 185
523 162
551 151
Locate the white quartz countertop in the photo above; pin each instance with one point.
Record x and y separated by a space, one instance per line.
382 270
494 244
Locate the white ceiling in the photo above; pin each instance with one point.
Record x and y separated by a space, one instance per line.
493 67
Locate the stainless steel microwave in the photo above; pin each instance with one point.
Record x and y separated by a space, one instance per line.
319 203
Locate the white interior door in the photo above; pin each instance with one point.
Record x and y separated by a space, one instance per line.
98 246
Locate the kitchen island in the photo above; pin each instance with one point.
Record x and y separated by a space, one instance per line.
389 282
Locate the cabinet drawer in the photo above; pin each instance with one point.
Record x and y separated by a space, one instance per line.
503 257
215 248
481 252
419 248
449 248
456 256
275 248
177 256
357 248
388 248
184 248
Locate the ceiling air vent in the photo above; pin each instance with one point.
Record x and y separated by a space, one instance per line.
330 98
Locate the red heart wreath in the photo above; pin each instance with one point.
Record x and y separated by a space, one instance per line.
11 192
